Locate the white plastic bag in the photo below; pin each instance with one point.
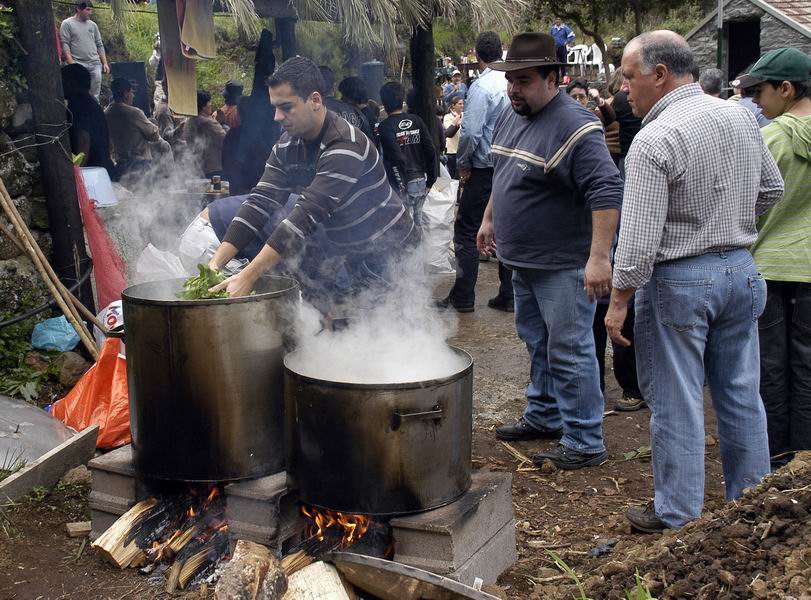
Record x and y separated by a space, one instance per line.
438 212
155 265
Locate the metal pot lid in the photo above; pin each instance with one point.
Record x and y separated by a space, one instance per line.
389 580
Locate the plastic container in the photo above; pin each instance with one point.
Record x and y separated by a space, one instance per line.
98 185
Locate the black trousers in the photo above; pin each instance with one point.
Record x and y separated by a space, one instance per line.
624 358
562 54
469 217
454 173
785 366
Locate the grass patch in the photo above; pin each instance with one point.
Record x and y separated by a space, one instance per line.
12 462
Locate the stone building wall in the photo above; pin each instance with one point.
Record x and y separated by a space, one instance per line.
773 33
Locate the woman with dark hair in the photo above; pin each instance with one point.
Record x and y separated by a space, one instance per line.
452 123
579 90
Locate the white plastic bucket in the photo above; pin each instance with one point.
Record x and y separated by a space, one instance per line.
98 185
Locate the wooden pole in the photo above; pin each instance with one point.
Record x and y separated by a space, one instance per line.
48 276
37 35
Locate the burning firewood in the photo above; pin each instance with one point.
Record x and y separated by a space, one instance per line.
195 557
253 573
116 544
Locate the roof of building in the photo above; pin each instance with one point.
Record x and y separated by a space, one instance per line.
794 13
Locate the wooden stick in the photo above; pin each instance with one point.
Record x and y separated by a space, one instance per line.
45 270
111 544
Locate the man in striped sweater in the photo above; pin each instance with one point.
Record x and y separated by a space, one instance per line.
340 181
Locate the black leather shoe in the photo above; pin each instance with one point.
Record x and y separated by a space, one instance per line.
501 303
644 519
447 303
568 459
520 431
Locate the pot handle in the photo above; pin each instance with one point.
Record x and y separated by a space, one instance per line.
397 418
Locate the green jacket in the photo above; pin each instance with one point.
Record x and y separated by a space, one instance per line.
783 249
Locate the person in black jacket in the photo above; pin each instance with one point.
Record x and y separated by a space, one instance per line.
349 113
409 154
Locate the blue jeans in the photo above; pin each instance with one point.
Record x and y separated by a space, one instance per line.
415 199
696 320
553 317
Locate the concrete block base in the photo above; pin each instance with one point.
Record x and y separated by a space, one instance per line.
471 537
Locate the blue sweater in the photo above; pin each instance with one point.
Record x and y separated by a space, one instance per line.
550 171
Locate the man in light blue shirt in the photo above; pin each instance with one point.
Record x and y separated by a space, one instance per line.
563 35
486 101
455 87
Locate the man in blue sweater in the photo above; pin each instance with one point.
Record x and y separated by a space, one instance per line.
553 213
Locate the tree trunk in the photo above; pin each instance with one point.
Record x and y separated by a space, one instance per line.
637 4
37 35
286 36
422 76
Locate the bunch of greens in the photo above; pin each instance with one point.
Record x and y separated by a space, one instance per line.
196 287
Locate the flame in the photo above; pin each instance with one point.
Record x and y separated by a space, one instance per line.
352 527
190 512
215 491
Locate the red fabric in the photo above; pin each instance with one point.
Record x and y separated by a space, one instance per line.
100 397
108 266
58 43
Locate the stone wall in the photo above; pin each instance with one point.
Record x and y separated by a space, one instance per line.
773 34
21 287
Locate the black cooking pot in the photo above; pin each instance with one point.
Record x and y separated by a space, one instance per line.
380 449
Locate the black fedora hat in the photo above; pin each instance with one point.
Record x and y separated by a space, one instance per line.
529 50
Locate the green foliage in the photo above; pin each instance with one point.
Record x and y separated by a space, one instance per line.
12 462
134 39
640 591
323 43
10 53
38 494
196 287
566 569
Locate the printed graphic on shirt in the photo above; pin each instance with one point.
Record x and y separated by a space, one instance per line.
407 136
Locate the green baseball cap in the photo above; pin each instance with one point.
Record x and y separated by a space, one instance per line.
783 64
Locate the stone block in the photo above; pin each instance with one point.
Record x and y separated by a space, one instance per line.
491 560
114 476
100 522
444 539
263 511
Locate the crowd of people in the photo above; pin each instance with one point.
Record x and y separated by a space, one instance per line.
648 213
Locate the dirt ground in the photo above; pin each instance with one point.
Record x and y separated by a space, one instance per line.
568 512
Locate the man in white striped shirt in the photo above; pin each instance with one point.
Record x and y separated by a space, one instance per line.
697 176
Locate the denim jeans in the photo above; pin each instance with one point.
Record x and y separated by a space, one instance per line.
785 367
415 199
696 319
553 317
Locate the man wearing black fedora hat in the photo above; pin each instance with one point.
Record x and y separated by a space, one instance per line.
553 212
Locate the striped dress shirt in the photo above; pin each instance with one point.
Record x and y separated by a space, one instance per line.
341 183
697 176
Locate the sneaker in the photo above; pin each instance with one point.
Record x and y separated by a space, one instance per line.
629 403
501 303
569 459
520 430
447 303
645 519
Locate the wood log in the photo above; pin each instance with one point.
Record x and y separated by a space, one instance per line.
78 529
173 577
296 561
112 543
252 573
318 581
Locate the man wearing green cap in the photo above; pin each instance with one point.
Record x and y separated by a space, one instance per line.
783 251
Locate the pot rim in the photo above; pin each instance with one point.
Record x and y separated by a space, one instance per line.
127 294
468 368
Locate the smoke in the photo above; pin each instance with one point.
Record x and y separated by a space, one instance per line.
389 335
155 207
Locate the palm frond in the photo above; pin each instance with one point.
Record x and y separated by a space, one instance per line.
244 13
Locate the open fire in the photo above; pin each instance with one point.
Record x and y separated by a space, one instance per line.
328 530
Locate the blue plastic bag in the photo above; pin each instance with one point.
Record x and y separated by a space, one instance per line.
54 334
